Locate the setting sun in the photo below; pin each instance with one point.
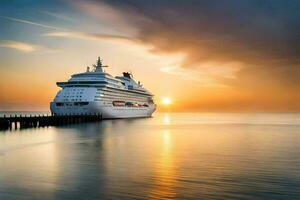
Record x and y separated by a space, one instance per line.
166 101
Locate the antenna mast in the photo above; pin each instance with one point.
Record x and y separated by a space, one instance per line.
99 67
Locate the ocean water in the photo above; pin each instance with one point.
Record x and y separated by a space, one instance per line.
168 156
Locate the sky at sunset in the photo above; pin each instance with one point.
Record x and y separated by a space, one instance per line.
204 55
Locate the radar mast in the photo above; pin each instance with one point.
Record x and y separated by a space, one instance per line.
98 66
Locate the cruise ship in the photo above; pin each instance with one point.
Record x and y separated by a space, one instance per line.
97 92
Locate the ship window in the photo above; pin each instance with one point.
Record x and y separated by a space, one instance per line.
59 104
129 104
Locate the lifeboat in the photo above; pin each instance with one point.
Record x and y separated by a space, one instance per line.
119 103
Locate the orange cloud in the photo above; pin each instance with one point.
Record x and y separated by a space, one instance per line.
86 36
25 47
21 46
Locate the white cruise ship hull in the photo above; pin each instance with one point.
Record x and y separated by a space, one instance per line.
107 112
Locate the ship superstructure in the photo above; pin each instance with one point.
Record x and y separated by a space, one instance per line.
97 92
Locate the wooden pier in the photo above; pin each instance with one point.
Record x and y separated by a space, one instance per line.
13 122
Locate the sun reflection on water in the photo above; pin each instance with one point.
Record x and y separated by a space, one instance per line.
165 170
166 119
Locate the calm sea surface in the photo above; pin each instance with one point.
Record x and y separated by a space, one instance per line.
169 156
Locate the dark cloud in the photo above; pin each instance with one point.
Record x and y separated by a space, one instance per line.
262 35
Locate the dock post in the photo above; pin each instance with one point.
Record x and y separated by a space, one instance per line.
42 120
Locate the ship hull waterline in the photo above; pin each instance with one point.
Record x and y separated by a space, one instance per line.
107 112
